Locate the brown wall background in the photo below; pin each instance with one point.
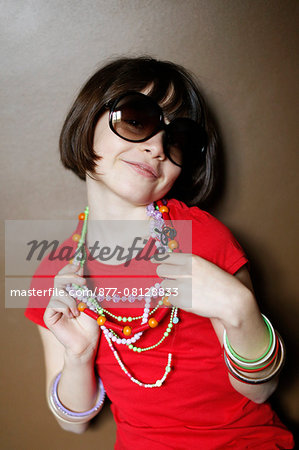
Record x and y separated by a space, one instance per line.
244 53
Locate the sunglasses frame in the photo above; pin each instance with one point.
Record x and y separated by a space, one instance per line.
162 125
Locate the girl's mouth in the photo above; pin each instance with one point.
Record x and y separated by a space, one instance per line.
143 169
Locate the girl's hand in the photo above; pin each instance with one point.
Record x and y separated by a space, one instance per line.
76 331
202 287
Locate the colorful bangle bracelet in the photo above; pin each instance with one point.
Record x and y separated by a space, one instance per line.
70 413
278 366
259 368
253 366
248 363
248 380
257 360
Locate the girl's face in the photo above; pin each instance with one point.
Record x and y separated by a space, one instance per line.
138 172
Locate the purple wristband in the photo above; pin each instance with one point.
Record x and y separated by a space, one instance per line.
59 405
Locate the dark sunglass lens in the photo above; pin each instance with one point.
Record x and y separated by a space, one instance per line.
173 149
135 117
184 140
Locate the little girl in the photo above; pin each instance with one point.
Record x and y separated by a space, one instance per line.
173 335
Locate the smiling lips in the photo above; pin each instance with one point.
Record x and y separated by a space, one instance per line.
143 168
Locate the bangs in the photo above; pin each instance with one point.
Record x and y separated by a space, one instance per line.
168 84
173 100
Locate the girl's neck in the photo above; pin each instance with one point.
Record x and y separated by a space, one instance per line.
114 220
104 204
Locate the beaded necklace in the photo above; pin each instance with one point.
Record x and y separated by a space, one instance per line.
113 332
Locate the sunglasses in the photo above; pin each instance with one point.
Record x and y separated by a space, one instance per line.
136 117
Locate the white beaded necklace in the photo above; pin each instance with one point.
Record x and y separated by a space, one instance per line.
156 227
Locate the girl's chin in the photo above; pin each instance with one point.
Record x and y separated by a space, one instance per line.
138 197
129 191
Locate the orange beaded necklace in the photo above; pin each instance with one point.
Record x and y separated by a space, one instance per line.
112 331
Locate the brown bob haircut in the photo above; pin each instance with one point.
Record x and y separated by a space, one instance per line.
172 86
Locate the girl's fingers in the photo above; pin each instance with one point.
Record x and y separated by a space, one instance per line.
172 271
177 265
70 268
61 281
65 304
69 274
80 271
180 259
180 292
67 278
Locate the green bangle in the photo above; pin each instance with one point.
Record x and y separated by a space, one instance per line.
240 358
275 370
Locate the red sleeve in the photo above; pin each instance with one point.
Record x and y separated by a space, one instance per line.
211 239
215 242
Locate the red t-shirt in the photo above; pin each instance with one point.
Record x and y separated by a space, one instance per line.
197 407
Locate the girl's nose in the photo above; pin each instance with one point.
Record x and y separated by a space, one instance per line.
154 146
